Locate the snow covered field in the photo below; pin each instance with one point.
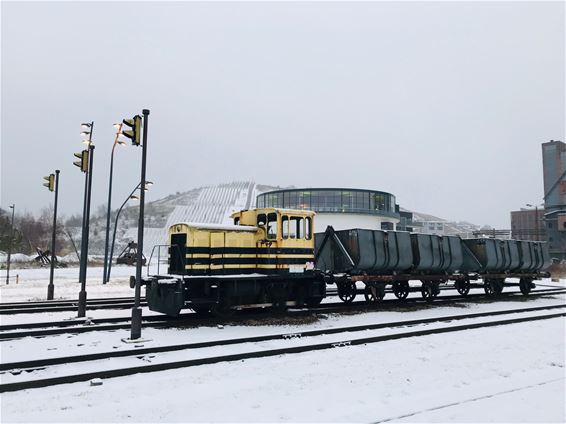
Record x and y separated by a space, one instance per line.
32 283
512 373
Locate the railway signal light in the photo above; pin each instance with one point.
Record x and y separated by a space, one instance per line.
83 162
135 133
50 184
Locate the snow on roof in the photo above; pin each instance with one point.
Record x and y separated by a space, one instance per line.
222 227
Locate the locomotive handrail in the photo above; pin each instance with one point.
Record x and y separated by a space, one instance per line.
159 246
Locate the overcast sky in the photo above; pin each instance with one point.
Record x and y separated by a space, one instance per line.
444 104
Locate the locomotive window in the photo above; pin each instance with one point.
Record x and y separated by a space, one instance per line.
308 227
237 220
272 226
285 226
261 220
297 230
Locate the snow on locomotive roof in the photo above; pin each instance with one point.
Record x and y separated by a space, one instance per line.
291 210
222 227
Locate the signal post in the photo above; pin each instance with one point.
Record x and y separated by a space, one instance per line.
53 185
85 164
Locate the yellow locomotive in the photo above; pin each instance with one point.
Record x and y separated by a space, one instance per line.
265 259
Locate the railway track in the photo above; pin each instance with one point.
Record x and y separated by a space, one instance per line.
191 319
348 338
66 305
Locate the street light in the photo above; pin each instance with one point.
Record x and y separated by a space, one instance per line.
86 214
53 183
133 197
13 207
122 143
537 232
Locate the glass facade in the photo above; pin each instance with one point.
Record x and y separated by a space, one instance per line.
331 200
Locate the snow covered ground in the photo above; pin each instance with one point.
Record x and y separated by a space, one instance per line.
512 373
32 283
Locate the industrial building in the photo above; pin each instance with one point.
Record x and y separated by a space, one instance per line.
554 170
528 224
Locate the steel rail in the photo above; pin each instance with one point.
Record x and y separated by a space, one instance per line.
10 387
70 307
61 302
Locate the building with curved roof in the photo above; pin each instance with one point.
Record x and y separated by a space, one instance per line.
340 207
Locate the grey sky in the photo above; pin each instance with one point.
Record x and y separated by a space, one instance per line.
444 104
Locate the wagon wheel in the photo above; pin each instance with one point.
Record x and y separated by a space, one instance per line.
488 287
347 292
499 284
401 290
428 292
463 287
493 286
374 294
525 286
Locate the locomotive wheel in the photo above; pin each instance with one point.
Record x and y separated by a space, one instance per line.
374 294
311 302
279 305
201 309
463 287
347 292
222 309
525 286
401 290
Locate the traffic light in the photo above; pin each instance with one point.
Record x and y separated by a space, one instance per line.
135 133
83 162
50 184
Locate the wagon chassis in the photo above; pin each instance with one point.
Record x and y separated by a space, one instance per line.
376 285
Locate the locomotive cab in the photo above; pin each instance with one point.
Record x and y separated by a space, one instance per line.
284 234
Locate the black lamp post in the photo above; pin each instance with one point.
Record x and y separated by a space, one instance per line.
13 207
105 278
130 196
87 168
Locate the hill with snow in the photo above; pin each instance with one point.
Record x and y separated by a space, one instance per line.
213 204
